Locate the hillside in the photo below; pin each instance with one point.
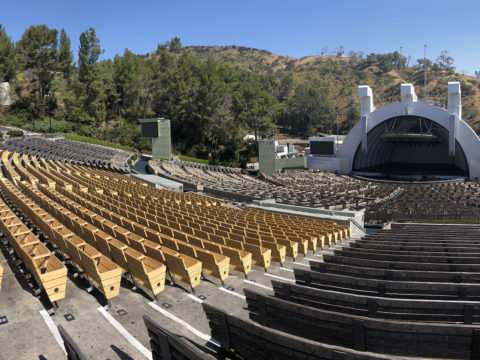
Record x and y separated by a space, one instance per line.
213 95
342 75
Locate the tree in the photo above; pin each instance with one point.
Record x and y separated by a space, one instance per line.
353 116
88 55
65 55
126 76
38 51
8 61
309 110
339 50
174 45
477 74
445 61
255 107
92 89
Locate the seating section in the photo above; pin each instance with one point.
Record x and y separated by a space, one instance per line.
49 273
166 345
412 291
378 307
249 340
322 190
456 201
63 150
94 220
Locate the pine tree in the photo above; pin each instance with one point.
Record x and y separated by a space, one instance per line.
8 59
65 55
38 51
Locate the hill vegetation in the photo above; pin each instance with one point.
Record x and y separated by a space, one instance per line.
213 95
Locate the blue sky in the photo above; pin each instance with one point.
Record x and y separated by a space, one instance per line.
294 28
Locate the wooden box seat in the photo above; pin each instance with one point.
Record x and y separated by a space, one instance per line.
155 226
183 267
48 271
147 271
103 273
52 274
215 263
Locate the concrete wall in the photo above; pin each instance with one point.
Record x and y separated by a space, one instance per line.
354 219
266 156
162 146
290 162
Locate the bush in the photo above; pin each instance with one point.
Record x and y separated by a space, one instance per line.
16 120
192 159
43 125
13 133
132 159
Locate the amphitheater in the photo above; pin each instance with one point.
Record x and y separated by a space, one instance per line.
97 264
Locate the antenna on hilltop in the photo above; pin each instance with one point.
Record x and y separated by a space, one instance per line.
425 73
400 64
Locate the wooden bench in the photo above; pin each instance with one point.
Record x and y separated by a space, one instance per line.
448 251
365 334
377 307
409 258
398 265
250 340
395 275
415 247
166 345
72 349
390 289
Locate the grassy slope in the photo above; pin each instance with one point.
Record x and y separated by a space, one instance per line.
96 142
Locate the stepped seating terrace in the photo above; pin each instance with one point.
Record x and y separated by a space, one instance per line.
70 151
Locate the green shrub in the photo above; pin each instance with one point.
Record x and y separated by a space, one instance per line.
13 133
132 159
192 159
13 120
203 161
